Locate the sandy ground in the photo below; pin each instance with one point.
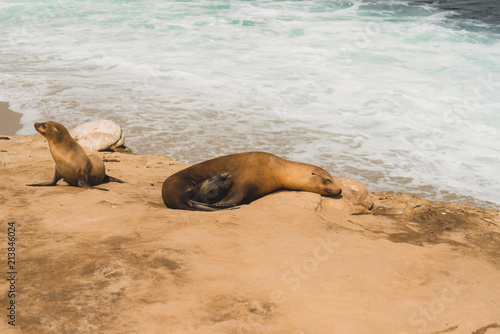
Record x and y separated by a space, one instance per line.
90 261
9 120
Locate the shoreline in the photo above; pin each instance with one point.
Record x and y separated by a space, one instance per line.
272 266
11 125
11 120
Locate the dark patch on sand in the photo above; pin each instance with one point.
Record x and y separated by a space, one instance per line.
424 222
485 328
11 121
224 307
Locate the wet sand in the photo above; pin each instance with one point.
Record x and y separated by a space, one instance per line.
10 121
119 261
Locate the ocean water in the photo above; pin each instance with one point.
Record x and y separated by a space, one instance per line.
401 95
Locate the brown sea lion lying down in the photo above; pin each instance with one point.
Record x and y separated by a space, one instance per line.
235 179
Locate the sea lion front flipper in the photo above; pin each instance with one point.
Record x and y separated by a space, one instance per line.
231 201
212 190
54 181
233 198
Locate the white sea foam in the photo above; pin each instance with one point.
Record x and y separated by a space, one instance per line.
392 95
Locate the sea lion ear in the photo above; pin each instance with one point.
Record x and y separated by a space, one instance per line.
313 173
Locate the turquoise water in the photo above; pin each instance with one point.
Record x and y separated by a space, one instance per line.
401 95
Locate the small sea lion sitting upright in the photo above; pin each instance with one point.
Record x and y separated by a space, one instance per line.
72 163
235 179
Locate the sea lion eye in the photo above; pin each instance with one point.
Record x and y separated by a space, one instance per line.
326 181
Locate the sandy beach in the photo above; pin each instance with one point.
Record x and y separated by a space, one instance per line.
10 123
90 261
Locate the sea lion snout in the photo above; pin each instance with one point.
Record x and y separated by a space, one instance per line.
40 127
331 192
48 128
327 186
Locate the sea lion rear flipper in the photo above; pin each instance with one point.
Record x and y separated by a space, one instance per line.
210 207
87 186
54 181
108 178
98 188
198 206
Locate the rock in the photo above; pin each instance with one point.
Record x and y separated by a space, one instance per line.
354 200
100 135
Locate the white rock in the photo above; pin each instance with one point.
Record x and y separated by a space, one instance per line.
98 135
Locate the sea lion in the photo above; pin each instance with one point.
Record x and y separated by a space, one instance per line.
72 163
240 179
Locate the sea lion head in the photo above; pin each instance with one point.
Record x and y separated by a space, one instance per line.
51 130
323 183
